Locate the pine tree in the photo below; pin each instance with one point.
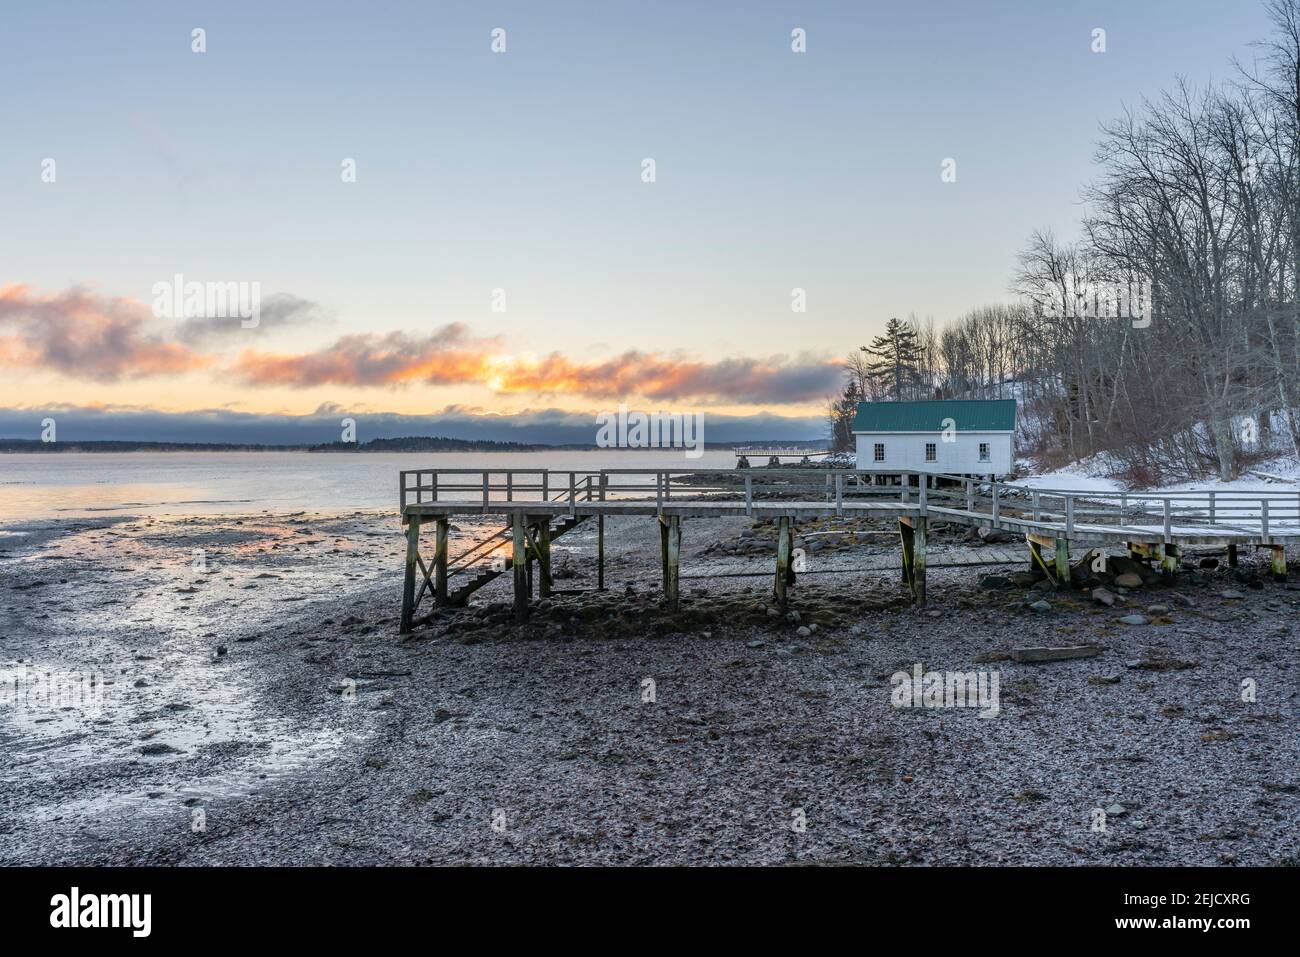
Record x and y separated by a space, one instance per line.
894 361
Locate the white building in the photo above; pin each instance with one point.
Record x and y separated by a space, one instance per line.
953 436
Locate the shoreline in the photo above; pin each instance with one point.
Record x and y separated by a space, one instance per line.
377 750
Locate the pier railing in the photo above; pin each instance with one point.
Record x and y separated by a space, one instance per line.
1167 514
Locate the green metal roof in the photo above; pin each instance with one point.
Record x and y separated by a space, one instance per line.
968 415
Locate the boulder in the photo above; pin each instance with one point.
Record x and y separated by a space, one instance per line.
1102 597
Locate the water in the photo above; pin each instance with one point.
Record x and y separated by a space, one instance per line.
89 484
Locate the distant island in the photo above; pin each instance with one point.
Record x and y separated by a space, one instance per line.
414 443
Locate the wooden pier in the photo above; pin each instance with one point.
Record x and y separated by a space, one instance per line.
775 455
538 506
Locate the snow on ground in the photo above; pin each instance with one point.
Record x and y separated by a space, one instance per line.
1235 501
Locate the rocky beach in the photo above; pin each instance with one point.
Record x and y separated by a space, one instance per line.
256 705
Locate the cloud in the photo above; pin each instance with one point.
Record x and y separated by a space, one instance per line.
737 380
86 336
446 356
451 357
90 337
280 311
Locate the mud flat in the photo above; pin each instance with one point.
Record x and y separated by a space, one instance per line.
258 707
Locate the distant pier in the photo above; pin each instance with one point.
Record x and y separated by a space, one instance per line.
774 456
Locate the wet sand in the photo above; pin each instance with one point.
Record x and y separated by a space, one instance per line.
259 707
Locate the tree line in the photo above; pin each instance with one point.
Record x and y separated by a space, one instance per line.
1166 334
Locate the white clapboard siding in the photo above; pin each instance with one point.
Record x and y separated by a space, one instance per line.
905 451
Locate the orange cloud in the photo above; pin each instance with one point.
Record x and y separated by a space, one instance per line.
104 339
445 357
90 337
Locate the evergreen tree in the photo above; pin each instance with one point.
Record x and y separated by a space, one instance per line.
894 361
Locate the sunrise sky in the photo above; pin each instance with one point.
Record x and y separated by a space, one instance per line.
522 171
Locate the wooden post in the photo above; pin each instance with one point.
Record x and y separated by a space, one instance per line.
671 530
1169 561
1279 563
544 557
600 552
1232 555
520 567
1035 556
440 563
905 535
408 581
600 539
918 560
782 560
1063 562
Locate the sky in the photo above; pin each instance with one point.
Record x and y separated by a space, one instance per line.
499 255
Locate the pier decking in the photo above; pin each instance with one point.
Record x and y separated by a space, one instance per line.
540 505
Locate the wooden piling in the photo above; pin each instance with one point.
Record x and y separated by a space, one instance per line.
671 532
1063 562
1279 563
918 559
1169 561
1037 562
782 560
912 532
440 562
905 537
543 545
519 561
408 580
600 552
1232 556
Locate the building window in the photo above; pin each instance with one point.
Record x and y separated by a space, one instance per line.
984 452
880 451
931 452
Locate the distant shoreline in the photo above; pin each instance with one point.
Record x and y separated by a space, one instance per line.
375 445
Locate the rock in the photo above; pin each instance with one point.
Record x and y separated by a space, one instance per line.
1103 680
803 631
1129 580
755 644
995 536
221 651
1157 609
1039 655
1041 606
1209 563
995 582
1103 597
1045 585
1231 594
155 748
1116 810
1134 620
1163 664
